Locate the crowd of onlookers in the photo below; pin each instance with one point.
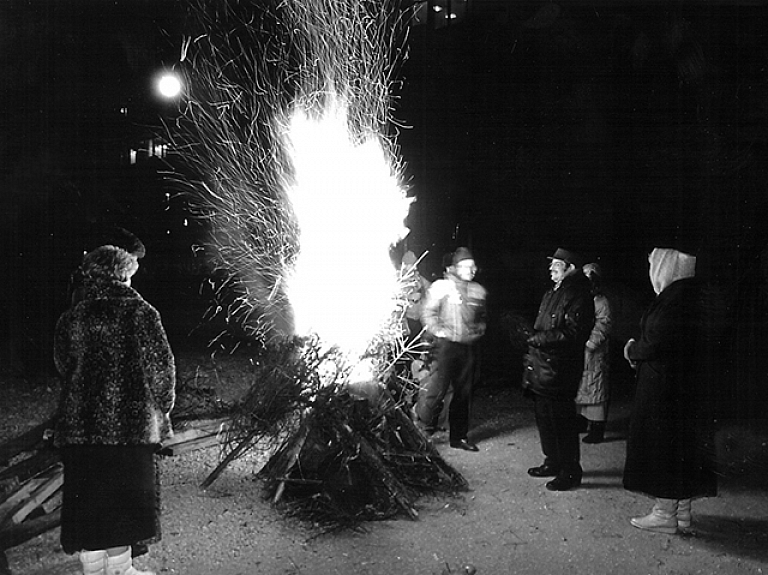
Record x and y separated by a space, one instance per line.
566 374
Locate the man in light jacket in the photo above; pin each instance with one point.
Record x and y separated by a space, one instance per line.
455 315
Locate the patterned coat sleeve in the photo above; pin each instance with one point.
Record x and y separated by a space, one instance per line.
157 359
61 356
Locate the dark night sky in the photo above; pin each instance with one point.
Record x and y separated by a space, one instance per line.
585 123
608 127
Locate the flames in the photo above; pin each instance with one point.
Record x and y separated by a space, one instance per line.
350 208
287 124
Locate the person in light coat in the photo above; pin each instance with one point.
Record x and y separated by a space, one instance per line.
592 397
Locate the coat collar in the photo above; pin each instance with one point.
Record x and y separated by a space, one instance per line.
108 289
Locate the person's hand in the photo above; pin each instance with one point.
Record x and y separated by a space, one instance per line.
535 340
627 350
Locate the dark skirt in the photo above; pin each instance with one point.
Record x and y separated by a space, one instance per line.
110 497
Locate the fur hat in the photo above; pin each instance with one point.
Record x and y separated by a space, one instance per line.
115 236
568 257
461 254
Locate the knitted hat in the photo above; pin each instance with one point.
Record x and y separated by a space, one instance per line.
461 254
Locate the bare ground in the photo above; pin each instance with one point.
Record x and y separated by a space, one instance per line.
507 523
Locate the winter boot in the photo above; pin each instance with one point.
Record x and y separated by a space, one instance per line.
661 519
595 432
94 562
123 565
684 513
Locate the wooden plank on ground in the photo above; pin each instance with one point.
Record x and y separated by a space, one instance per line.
17 498
196 435
190 445
39 462
38 497
18 534
24 442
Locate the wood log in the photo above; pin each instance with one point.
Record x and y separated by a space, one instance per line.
280 464
190 445
38 497
239 449
27 441
41 461
18 534
18 497
414 438
370 457
195 435
195 429
53 503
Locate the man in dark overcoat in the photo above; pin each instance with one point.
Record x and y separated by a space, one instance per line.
554 365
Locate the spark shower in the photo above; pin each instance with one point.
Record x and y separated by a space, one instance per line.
288 128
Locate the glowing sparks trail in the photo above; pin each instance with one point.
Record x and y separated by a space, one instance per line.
288 109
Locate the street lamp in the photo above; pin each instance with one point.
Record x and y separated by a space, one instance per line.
168 85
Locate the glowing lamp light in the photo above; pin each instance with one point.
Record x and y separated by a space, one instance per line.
169 86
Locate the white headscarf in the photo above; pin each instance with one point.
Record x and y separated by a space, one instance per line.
668 266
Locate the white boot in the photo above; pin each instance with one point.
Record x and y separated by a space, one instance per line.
94 562
661 519
684 513
123 565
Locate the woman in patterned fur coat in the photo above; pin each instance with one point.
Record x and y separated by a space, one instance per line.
118 389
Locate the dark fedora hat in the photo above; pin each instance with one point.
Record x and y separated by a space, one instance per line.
568 257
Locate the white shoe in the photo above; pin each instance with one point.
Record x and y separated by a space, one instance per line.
123 565
662 519
93 562
684 513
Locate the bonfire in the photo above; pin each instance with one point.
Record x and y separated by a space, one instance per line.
288 143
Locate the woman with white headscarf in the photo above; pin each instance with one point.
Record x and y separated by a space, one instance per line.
666 454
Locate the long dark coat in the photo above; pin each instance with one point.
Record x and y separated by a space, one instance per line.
670 426
555 359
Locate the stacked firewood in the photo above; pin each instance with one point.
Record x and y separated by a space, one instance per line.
30 488
355 460
339 445
31 477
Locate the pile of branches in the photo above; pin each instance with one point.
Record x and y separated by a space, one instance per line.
339 453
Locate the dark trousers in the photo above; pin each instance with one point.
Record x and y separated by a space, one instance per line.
455 369
558 433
